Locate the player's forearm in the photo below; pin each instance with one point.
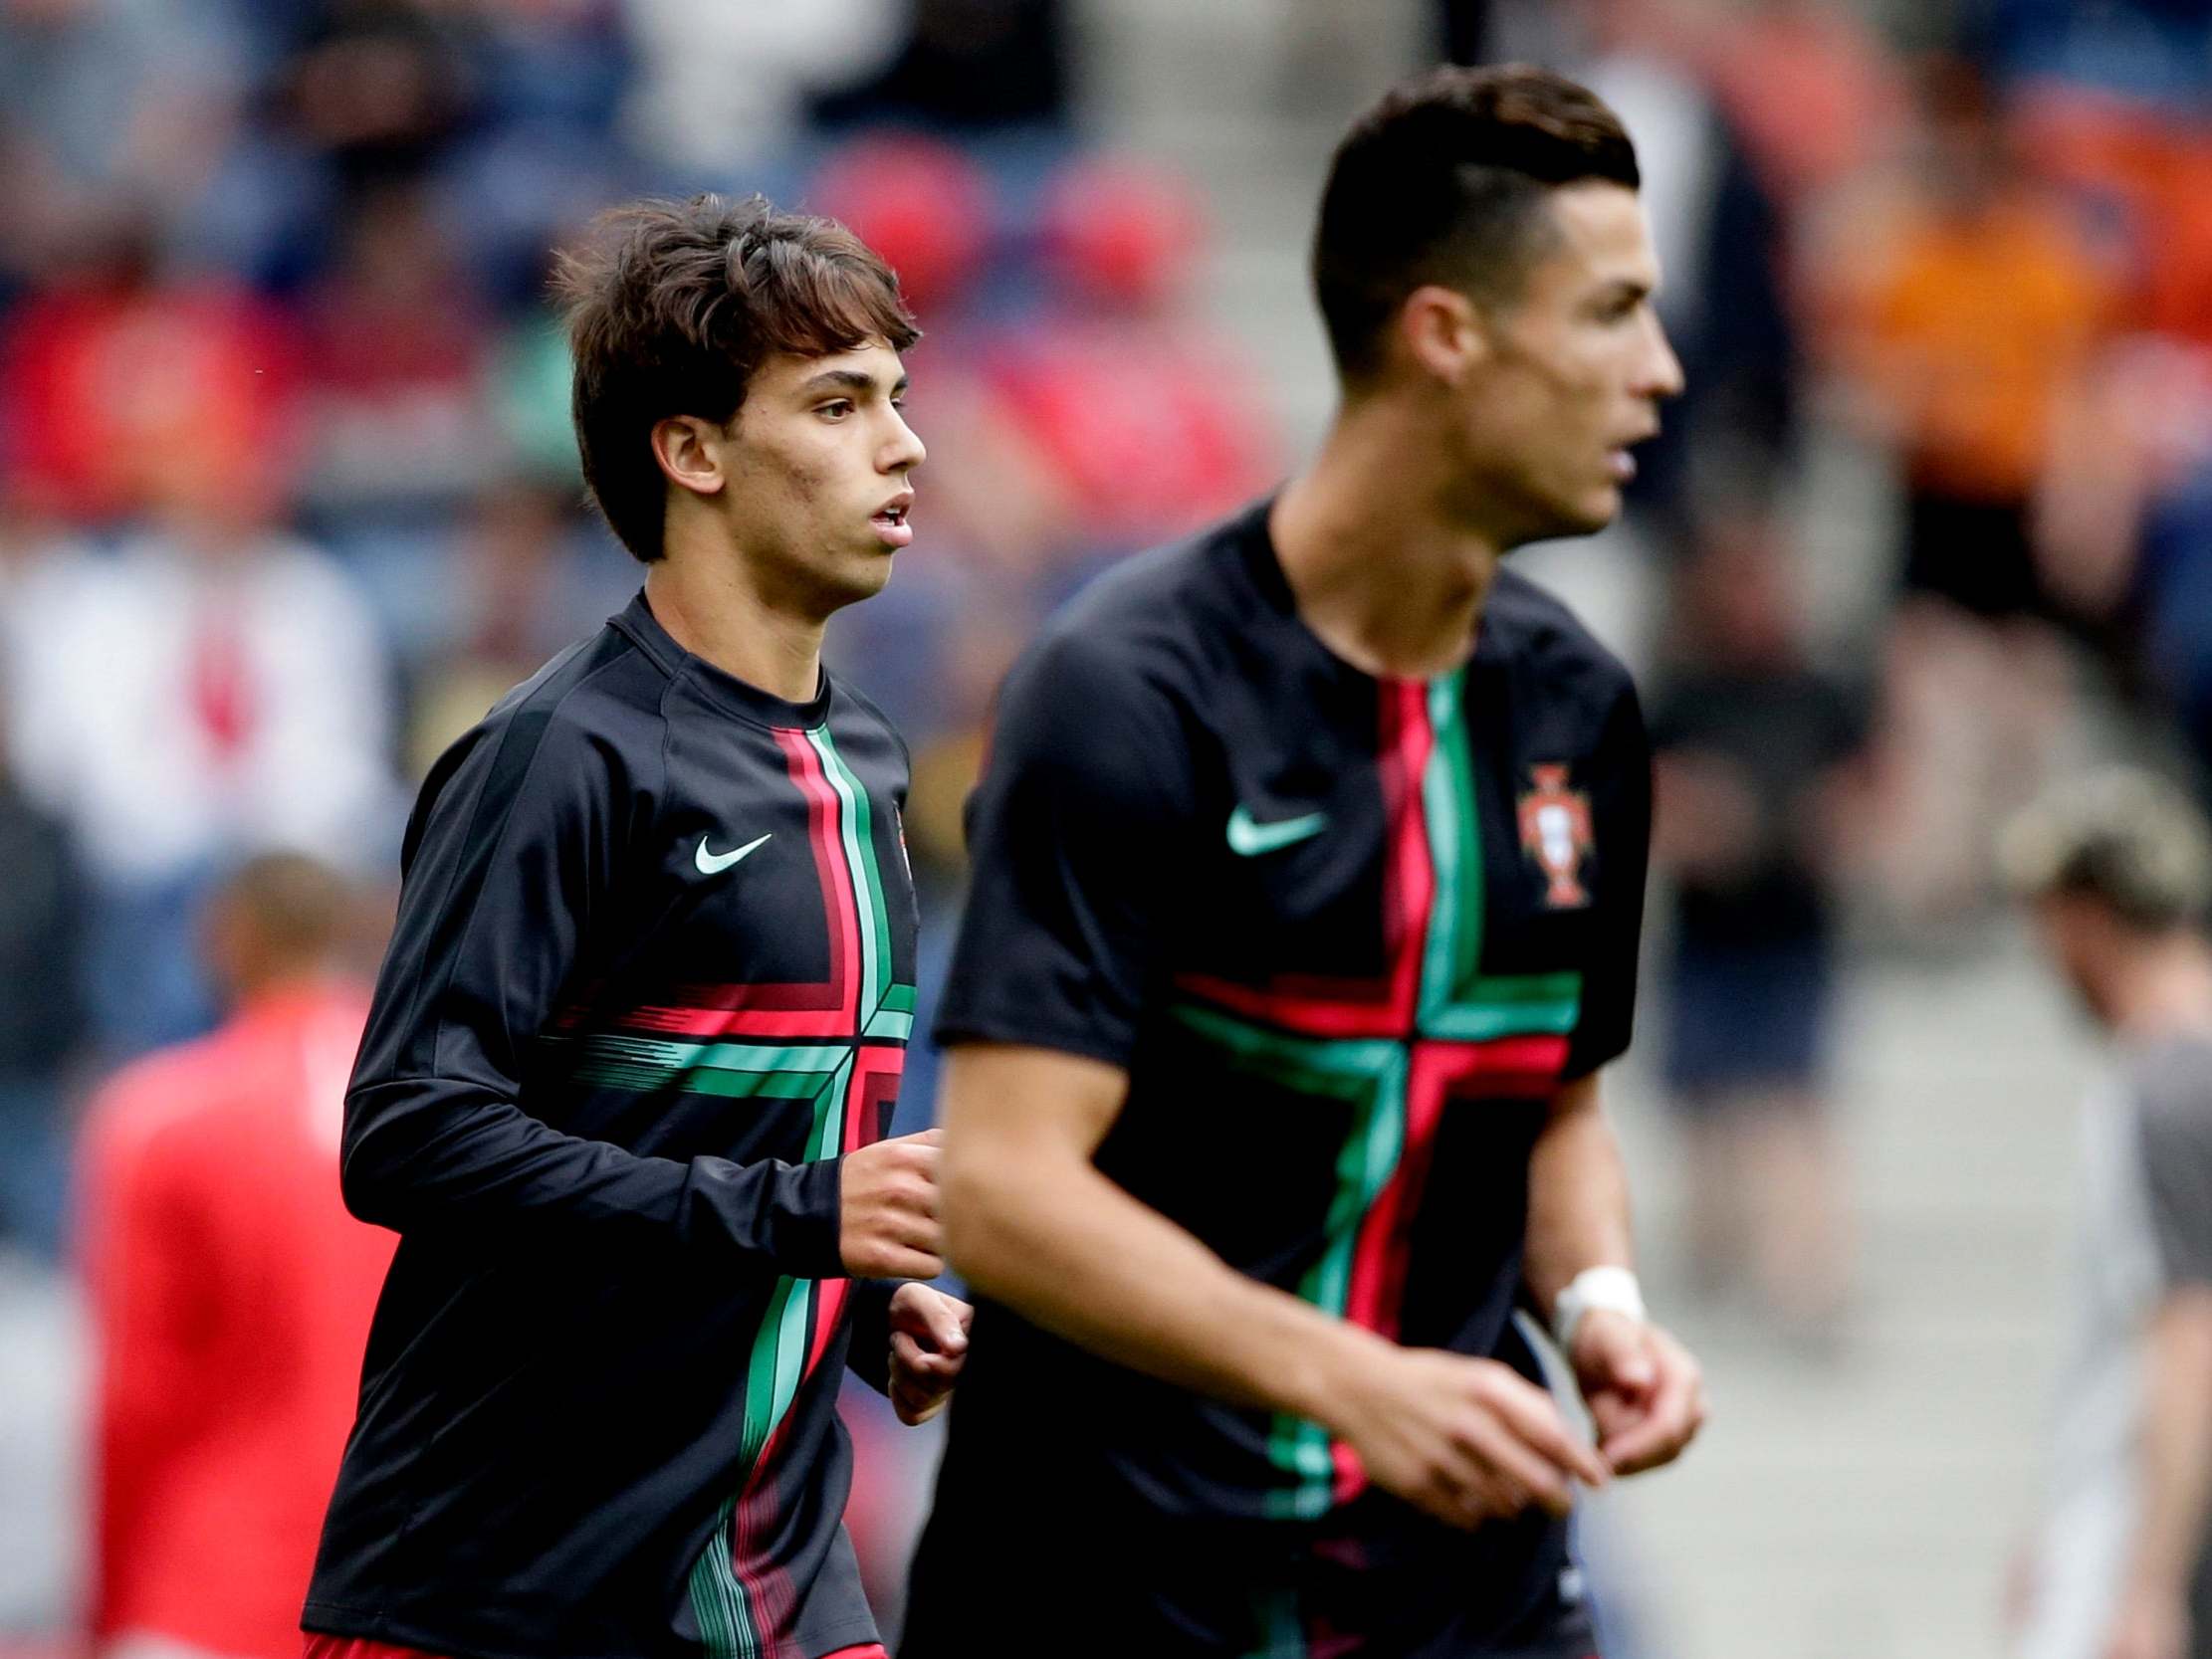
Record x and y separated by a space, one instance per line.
434 1152
1577 1195
1048 1235
2174 1456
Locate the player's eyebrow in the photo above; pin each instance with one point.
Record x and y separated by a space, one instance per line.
850 380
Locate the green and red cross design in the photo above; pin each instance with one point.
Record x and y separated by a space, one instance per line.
838 1044
1396 1049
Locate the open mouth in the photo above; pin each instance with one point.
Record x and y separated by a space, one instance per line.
890 522
1621 459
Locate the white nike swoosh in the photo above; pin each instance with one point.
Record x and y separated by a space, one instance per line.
712 864
1248 839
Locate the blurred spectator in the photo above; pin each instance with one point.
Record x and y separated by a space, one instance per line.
392 353
99 367
1811 91
2118 871
212 687
722 90
1756 760
1152 421
1978 305
230 1293
377 88
108 103
924 204
967 65
41 1017
2153 51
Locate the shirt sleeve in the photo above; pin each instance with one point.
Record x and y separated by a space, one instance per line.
868 1351
512 858
1620 786
2176 1118
1072 835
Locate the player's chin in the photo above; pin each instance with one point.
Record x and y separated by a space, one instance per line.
1581 513
1594 508
862 573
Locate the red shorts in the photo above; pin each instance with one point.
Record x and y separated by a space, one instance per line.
320 1646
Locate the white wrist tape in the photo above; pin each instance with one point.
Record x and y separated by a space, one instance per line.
1612 1288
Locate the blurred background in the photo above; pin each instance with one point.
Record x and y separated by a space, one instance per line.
287 497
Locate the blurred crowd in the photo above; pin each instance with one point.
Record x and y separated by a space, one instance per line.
287 495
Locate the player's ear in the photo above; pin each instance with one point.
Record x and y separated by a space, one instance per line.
1441 332
689 450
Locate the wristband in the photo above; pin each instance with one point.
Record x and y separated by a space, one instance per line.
1612 1288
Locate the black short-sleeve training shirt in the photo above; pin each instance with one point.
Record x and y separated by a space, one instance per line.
1348 936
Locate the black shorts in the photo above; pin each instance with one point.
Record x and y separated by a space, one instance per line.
1074 1585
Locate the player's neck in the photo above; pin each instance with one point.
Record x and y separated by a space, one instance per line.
1379 570
712 611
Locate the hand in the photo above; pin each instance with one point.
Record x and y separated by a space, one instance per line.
1467 1440
929 1344
1645 1394
887 1209
2148 1626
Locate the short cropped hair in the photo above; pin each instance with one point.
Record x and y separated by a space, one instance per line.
2124 838
294 905
1446 181
672 306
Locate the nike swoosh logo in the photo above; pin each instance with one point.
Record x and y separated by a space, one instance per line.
1248 839
712 864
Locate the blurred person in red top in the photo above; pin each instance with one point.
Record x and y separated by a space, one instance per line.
230 1293
1148 419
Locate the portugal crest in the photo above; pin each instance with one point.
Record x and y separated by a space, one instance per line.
1555 832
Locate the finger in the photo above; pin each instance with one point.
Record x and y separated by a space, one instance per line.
1528 1412
926 1137
918 1402
1659 1432
917 1231
912 1355
948 1322
1614 1351
1525 1476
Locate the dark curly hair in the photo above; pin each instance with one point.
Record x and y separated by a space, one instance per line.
672 306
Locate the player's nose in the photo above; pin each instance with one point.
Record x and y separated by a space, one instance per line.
1661 375
905 451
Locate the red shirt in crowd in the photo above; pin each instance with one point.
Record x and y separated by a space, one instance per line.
230 1296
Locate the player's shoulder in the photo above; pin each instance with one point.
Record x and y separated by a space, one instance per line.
591 714
1535 632
1155 617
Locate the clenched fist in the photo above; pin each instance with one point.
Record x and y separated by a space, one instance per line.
887 1209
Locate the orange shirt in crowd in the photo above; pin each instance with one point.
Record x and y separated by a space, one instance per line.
230 1296
1979 324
